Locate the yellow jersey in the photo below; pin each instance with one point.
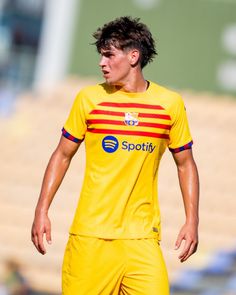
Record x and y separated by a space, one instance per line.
125 137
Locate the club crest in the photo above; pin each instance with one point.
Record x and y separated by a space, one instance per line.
131 119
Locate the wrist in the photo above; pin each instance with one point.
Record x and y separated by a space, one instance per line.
41 211
192 221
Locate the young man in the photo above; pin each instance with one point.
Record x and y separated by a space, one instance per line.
127 123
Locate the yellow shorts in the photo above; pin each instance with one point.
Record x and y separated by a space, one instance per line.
94 266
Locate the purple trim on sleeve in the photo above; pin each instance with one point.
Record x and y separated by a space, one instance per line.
69 136
182 148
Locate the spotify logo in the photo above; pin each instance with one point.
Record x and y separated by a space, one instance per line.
110 144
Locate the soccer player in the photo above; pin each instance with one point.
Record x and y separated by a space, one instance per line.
127 123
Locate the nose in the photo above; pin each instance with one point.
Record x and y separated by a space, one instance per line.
102 62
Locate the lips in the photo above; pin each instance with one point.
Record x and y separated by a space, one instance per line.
105 74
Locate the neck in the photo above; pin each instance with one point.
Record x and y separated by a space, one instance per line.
137 84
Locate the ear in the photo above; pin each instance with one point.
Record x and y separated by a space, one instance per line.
134 55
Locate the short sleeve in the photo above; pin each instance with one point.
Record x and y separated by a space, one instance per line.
180 137
75 126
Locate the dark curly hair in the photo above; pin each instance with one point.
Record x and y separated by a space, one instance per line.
127 33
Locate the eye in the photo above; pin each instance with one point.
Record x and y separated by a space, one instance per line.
107 54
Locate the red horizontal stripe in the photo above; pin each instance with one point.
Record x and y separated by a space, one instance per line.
126 132
122 114
131 105
141 124
103 112
155 125
157 116
104 121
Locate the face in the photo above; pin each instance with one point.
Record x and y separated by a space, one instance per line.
115 65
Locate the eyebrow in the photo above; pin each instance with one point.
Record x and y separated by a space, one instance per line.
107 52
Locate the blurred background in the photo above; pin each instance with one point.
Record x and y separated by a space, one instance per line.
46 56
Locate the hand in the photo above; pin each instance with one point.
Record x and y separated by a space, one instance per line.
41 226
188 233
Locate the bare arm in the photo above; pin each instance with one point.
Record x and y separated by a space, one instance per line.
54 174
189 185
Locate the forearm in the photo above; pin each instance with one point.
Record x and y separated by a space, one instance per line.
53 177
54 174
189 184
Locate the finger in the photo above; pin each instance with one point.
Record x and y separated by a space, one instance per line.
36 243
192 250
48 236
185 250
41 247
178 242
34 239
